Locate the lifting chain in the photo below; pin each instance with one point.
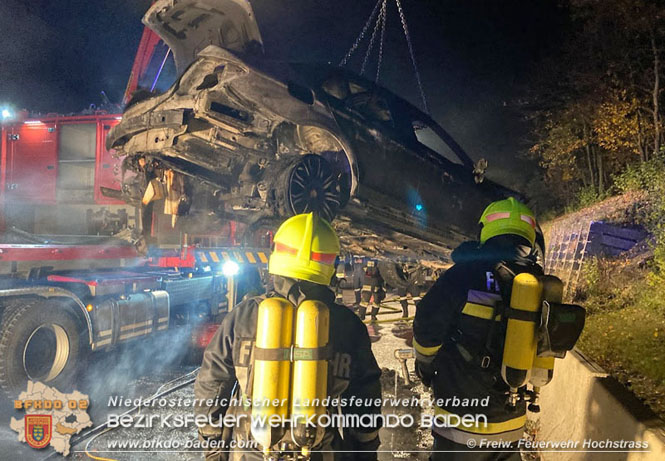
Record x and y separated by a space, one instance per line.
413 57
383 34
361 36
379 21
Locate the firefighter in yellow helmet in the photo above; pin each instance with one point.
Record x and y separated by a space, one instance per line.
302 265
459 335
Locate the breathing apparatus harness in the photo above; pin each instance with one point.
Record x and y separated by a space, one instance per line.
533 336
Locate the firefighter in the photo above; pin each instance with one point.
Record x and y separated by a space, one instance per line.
358 279
372 291
415 278
302 265
459 335
338 282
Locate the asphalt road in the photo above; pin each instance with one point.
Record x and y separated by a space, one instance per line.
136 369
142 368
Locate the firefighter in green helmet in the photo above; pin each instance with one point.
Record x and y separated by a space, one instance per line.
458 336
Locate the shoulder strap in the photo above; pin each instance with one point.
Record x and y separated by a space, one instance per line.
504 276
249 386
501 273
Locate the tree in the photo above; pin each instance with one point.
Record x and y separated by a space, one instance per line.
600 110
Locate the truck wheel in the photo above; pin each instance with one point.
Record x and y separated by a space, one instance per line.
39 341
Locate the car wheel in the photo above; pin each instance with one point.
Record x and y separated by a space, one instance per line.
312 186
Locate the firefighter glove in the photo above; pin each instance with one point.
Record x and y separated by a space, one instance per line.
425 372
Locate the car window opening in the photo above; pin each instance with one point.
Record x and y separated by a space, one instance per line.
428 138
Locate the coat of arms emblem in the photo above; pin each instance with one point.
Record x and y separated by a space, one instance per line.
38 430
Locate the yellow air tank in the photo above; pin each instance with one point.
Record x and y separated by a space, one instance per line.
519 348
310 373
272 370
543 367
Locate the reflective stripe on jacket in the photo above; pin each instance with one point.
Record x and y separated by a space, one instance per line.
451 329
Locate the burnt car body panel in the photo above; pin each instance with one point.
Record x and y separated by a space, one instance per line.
238 126
189 26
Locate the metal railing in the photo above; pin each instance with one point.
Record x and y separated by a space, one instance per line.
566 252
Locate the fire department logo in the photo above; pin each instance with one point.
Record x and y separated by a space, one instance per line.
51 417
38 430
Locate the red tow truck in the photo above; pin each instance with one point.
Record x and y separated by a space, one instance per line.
59 301
75 289
68 284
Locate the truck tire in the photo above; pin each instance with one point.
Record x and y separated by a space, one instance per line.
40 340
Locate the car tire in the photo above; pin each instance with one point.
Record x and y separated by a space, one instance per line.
312 186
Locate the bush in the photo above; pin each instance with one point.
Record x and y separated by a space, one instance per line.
650 178
586 196
608 285
625 326
646 176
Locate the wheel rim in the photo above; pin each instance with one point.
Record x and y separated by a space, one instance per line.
46 352
314 187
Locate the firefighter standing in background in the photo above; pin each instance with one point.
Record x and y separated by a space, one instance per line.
302 265
338 280
358 279
459 335
415 279
372 291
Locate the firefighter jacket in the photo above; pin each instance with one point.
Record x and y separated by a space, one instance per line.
353 372
459 334
358 274
373 279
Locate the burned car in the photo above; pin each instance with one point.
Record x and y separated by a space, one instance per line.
255 141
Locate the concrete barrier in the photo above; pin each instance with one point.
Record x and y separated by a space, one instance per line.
583 403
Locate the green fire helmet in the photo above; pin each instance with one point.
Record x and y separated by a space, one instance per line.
508 216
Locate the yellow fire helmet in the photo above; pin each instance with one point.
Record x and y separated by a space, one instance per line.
305 248
508 216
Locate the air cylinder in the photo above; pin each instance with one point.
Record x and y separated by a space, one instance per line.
272 371
543 367
520 344
310 373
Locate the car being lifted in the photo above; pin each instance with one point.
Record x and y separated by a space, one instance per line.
237 136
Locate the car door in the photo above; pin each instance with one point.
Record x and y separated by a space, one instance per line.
458 196
402 182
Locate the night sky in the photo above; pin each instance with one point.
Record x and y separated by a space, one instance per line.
474 56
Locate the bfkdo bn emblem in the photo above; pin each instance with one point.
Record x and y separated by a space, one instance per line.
38 430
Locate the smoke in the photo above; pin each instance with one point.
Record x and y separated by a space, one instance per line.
136 368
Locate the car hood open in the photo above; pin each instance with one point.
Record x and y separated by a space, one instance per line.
188 26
